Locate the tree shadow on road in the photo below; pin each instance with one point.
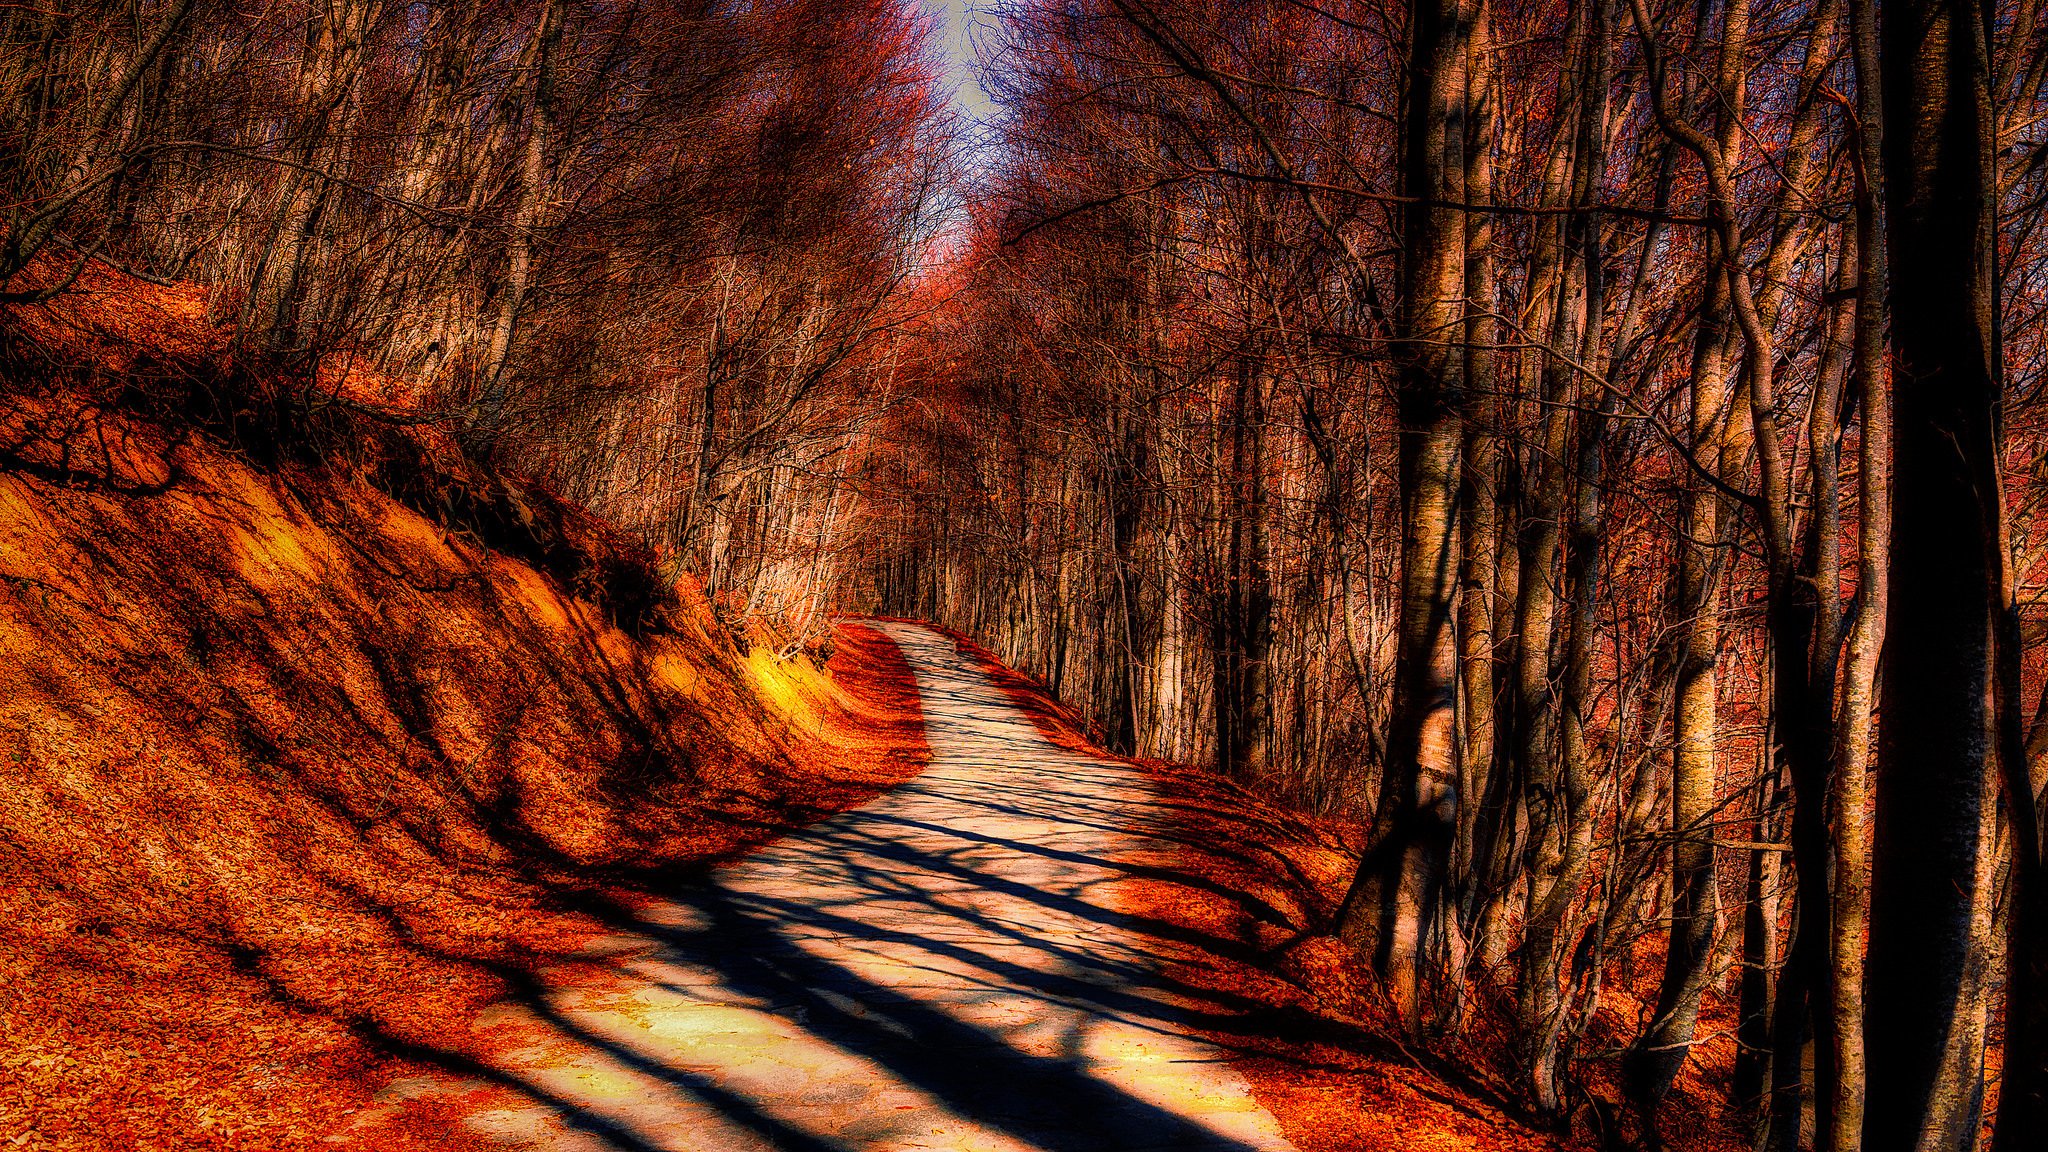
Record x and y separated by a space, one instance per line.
798 951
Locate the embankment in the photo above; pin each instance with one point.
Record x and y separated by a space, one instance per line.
309 727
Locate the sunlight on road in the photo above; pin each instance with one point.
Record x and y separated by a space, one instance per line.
941 969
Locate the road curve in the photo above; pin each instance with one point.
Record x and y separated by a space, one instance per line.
940 969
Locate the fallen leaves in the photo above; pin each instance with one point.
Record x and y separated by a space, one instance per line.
296 789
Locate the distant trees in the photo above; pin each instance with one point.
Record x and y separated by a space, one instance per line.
657 252
1477 416
1558 433
76 128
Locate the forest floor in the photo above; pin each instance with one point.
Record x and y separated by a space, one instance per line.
355 794
947 966
1246 890
316 739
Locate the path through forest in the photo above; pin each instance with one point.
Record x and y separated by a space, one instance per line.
940 969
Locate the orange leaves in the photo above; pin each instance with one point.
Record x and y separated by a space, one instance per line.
1316 1043
299 778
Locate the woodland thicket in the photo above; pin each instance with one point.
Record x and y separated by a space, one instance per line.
1596 444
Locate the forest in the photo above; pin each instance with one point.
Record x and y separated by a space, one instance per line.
1589 457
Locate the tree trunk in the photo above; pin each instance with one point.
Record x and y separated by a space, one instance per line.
1806 635
519 240
1479 506
327 81
1126 509
1561 827
1243 627
1396 898
1939 738
1850 802
1662 1049
1694 899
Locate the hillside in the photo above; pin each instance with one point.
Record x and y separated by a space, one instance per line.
314 729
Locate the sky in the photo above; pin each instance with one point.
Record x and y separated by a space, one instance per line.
961 23
961 19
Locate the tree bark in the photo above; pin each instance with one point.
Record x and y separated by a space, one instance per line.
1850 802
1561 829
1659 1053
1478 502
1396 899
1939 738
519 239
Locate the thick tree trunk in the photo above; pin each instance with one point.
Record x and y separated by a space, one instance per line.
1479 505
1662 1049
1396 899
1561 828
1939 737
1531 752
1806 635
1696 611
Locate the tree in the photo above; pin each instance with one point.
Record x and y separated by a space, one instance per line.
1941 732
1397 899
